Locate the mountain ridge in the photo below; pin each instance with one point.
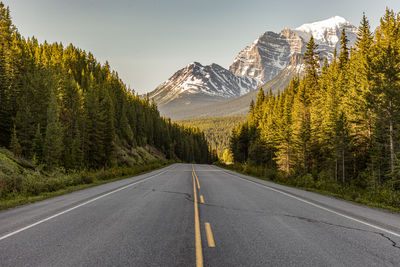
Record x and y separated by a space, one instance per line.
272 55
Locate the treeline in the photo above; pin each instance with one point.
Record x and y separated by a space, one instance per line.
62 108
216 129
340 123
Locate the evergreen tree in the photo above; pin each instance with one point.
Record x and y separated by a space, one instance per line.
37 146
311 60
344 50
385 76
53 140
14 145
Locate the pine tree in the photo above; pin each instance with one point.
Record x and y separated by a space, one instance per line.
37 146
311 60
285 128
6 109
53 140
55 94
14 144
344 50
385 75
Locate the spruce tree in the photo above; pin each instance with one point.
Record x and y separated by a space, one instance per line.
37 146
53 139
344 50
311 60
385 76
14 144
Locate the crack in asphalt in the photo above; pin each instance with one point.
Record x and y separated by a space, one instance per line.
394 243
190 198
187 195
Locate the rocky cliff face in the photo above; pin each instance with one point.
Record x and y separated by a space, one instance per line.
264 58
269 62
271 52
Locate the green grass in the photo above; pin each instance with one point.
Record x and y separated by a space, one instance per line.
95 178
382 198
22 181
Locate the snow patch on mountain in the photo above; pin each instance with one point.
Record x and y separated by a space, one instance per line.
319 29
271 52
210 80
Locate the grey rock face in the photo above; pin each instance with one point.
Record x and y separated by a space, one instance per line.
270 62
211 80
271 52
264 58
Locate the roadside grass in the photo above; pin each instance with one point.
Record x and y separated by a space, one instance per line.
67 183
23 181
382 198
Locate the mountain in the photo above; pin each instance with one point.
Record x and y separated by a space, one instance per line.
327 34
196 85
268 55
240 105
271 52
269 62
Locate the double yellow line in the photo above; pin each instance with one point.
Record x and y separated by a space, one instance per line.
210 237
197 178
199 250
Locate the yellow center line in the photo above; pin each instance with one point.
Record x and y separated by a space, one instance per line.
210 237
197 179
202 199
199 252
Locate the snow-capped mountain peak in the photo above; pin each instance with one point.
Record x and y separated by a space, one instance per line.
196 79
269 54
321 26
274 57
324 31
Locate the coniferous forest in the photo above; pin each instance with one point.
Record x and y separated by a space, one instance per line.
338 127
61 107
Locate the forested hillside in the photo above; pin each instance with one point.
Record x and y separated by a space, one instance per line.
337 128
60 107
217 130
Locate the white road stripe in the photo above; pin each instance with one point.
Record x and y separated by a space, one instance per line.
321 207
77 206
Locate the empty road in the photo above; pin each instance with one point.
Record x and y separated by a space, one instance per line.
195 215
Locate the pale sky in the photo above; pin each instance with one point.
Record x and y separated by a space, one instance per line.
146 41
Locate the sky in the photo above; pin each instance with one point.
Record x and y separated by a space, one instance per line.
146 41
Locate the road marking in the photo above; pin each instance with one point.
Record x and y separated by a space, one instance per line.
199 251
320 207
210 237
197 179
201 199
77 206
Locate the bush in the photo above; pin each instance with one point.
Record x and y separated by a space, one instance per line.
86 177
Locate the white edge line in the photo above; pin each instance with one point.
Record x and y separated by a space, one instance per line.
320 207
77 206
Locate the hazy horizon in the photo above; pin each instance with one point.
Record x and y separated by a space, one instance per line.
147 41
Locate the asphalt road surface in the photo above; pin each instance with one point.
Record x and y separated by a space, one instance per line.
194 215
